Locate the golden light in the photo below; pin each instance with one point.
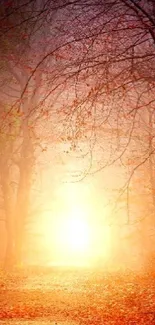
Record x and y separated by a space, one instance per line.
74 232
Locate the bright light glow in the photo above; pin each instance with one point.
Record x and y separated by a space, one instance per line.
73 234
77 234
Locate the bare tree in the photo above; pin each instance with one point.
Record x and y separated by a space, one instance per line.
96 59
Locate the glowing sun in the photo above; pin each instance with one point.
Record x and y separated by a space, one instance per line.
75 233
72 234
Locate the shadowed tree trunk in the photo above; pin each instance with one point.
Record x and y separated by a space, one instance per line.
9 213
23 195
151 158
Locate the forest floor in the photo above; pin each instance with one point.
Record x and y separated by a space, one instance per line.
59 296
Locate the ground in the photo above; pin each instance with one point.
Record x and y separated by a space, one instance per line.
76 296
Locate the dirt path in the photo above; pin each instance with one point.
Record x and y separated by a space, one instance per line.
72 297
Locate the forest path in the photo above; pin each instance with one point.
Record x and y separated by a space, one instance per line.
59 296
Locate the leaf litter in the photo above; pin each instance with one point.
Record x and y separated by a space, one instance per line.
72 297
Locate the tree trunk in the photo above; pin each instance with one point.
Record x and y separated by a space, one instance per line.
9 217
151 160
21 212
23 194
